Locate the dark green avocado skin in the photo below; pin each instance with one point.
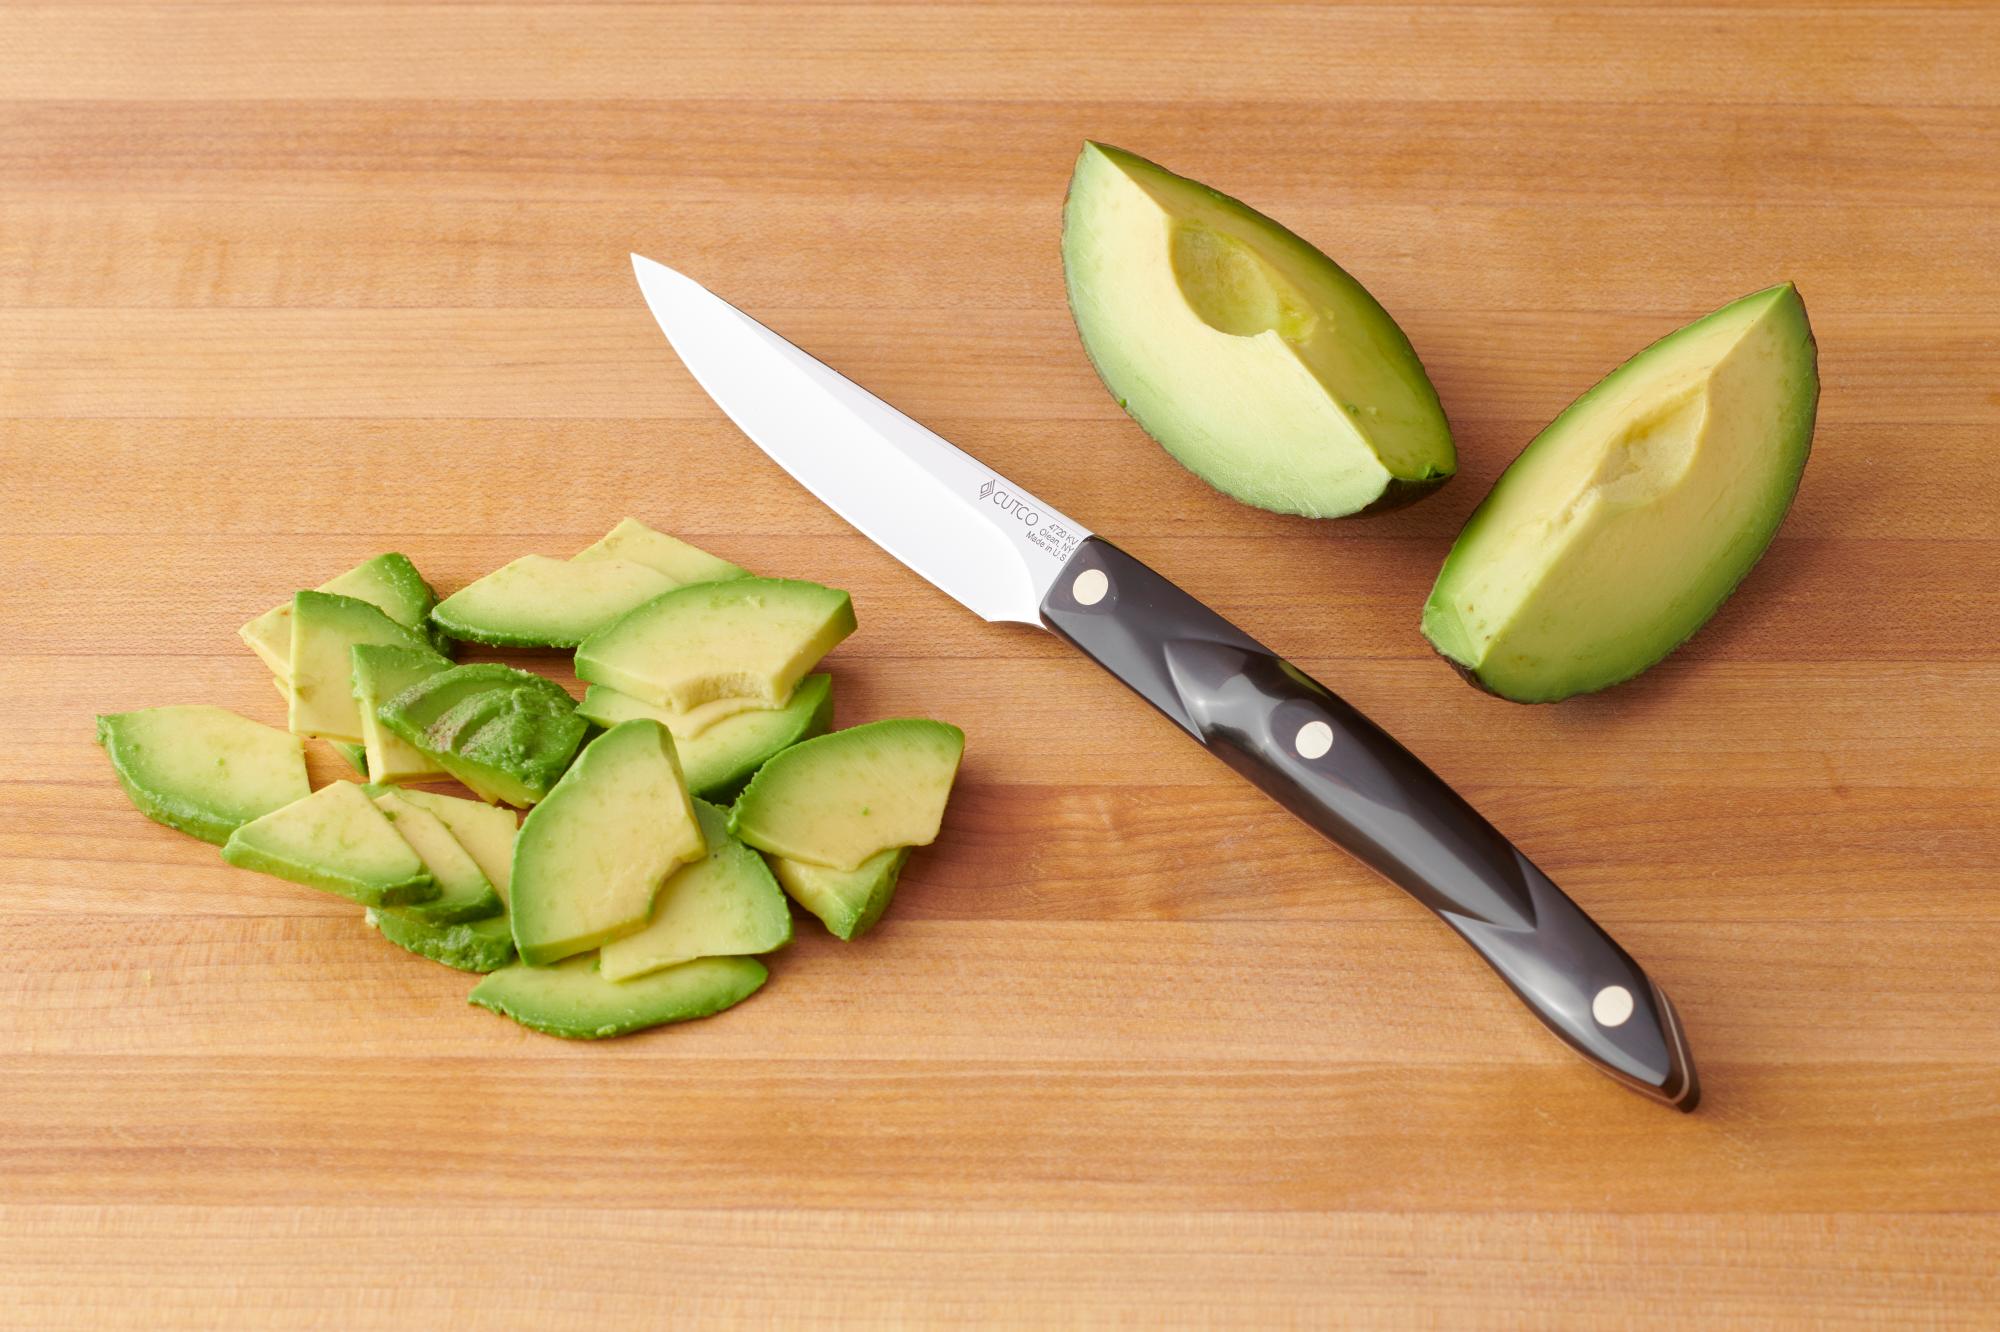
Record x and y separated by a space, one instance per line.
1401 494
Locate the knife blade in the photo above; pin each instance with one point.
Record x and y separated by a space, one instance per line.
1008 556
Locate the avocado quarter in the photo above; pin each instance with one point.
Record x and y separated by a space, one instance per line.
1625 525
1251 357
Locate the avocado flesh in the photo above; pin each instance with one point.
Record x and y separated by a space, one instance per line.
847 902
591 856
507 734
476 946
540 602
203 770
573 1000
1250 356
1626 523
720 758
326 627
839 799
724 905
463 891
486 832
389 582
381 673
334 839
633 540
745 638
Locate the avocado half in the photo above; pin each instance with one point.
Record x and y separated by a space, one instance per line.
1624 525
1250 356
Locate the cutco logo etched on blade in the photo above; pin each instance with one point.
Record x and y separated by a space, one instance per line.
1006 502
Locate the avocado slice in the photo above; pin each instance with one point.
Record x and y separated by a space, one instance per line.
203 770
325 629
724 905
574 1001
745 638
389 582
334 839
507 734
1251 357
355 756
540 602
485 831
591 856
477 946
1622 527
721 757
381 673
633 540
847 902
463 891
839 799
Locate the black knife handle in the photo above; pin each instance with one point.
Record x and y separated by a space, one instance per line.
1345 776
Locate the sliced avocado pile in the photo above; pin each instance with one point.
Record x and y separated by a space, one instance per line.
625 900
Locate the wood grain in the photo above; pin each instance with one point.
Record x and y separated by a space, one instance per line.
283 284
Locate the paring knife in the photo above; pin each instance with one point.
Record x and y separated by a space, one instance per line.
1007 556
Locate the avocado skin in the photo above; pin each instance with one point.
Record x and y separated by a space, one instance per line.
1810 411
1401 493
477 946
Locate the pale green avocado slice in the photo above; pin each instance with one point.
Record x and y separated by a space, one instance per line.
477 946
718 760
540 602
389 582
326 627
838 799
745 638
507 734
1624 526
203 770
724 905
334 839
591 856
381 673
575 1001
1250 356
463 890
486 832
633 540
847 902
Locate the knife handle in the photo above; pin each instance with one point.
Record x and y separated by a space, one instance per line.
1346 777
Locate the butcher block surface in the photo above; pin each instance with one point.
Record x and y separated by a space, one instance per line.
285 285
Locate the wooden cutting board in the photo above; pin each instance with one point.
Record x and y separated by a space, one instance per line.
284 285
